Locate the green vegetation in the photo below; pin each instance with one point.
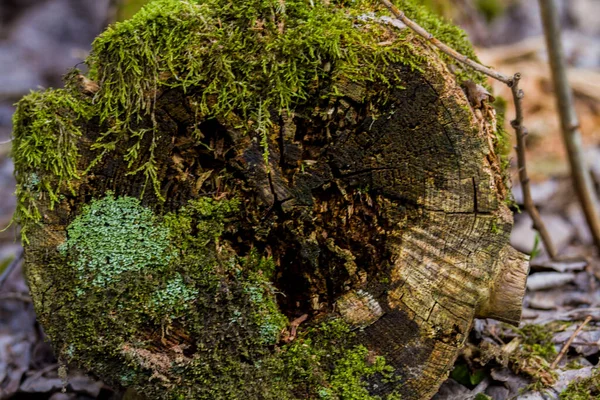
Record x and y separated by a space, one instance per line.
537 340
534 355
329 344
246 61
162 303
47 127
502 145
583 389
116 237
463 375
171 283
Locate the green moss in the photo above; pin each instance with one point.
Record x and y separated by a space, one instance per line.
252 59
502 145
329 343
127 306
534 355
46 131
583 389
537 340
258 287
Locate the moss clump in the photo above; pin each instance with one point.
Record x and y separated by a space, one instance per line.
502 145
583 389
534 355
259 272
46 130
330 343
249 56
537 340
248 61
163 305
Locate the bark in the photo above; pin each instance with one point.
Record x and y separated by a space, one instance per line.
390 216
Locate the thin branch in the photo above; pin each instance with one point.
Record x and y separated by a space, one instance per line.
521 132
25 298
10 268
563 351
568 119
291 334
444 48
517 123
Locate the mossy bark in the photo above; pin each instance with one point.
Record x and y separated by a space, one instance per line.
380 208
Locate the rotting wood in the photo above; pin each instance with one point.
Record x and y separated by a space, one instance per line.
380 209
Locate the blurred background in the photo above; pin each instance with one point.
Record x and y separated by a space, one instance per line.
40 40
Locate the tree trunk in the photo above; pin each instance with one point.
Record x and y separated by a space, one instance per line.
339 247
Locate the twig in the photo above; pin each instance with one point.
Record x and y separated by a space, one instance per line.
577 314
22 297
444 48
291 335
517 123
568 119
563 351
521 132
11 267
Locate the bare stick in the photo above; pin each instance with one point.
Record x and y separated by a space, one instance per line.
521 132
517 123
563 351
16 296
11 267
568 119
291 335
444 48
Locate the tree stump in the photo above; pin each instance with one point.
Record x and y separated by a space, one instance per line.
265 200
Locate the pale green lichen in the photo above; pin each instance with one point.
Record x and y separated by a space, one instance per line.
258 287
175 298
113 237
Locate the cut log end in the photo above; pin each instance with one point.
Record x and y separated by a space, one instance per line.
179 246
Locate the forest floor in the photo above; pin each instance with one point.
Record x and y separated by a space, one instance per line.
42 38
